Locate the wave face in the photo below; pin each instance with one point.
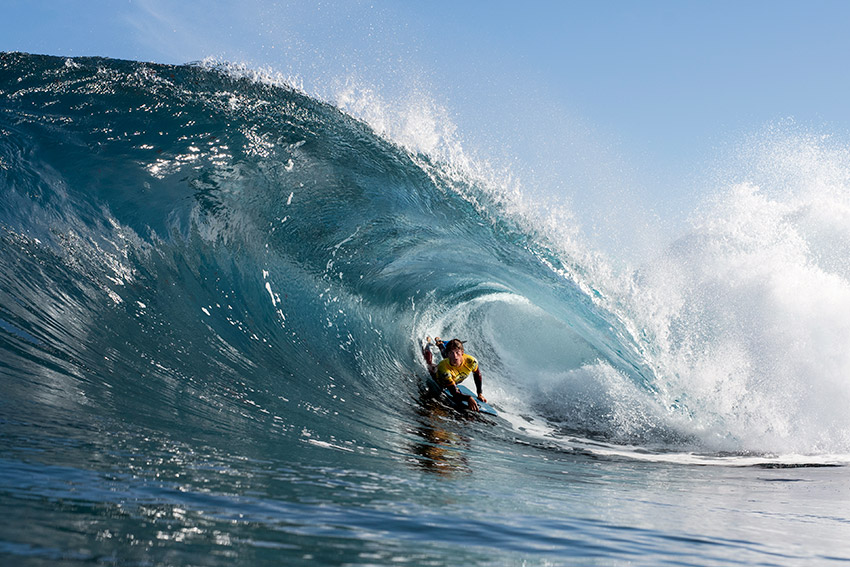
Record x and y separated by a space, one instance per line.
177 237
204 275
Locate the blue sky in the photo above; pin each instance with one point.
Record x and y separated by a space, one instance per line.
616 98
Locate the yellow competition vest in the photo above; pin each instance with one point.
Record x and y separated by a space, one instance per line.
448 374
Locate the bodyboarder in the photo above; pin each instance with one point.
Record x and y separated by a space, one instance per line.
455 367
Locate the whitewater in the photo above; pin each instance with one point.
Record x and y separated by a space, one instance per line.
213 292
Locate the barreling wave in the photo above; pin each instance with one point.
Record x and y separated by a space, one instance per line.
195 251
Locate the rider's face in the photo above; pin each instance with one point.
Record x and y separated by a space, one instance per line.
455 357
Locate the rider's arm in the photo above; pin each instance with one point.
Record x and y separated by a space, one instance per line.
459 398
478 381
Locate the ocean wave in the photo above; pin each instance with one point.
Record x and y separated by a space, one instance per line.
195 250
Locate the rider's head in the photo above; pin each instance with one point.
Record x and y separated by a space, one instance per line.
454 352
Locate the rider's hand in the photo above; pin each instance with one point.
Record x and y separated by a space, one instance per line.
473 405
482 398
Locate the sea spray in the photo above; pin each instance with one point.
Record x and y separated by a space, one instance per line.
744 316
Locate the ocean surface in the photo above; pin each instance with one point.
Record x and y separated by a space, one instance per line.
213 292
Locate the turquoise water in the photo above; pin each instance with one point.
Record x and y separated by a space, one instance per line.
211 293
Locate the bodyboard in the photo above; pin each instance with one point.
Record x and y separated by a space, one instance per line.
483 407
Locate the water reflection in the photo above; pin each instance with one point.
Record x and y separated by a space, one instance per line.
440 450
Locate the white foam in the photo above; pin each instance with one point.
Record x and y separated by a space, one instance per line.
747 318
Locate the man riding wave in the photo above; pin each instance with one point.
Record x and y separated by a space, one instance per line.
455 367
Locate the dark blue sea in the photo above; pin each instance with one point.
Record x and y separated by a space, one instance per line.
213 291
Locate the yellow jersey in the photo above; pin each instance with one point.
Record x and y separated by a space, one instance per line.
446 374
